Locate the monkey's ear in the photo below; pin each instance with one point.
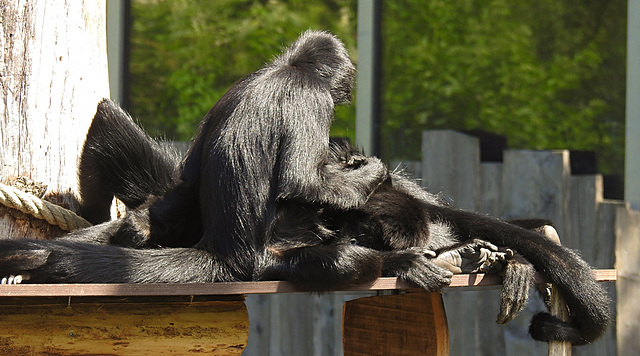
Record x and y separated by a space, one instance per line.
322 54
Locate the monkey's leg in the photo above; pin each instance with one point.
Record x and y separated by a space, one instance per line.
120 159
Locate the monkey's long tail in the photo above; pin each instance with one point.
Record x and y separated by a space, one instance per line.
587 300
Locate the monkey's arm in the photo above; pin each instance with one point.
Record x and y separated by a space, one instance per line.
59 261
313 174
322 267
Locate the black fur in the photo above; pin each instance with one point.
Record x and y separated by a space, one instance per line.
264 195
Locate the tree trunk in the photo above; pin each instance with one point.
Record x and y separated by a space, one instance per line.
53 75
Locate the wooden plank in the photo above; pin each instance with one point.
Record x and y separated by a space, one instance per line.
122 328
232 288
535 184
402 324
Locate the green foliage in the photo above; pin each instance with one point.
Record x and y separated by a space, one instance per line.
185 54
545 73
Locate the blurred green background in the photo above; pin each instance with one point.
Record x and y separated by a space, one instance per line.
546 74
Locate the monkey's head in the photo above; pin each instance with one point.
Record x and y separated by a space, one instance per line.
325 56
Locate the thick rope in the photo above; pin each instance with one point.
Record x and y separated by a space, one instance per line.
41 209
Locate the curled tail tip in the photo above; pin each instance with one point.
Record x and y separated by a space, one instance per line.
546 327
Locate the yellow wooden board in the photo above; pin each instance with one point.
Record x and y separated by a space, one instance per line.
124 328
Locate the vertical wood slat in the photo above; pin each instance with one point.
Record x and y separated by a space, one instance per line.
592 221
401 324
451 164
487 301
536 184
297 324
601 255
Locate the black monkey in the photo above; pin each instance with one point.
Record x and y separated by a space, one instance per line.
266 141
263 195
263 145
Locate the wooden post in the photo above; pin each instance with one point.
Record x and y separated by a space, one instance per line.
54 74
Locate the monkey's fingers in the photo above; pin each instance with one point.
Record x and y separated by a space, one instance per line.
415 266
427 276
11 279
473 246
450 261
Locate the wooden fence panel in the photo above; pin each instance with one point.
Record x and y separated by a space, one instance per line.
584 203
601 252
488 300
528 184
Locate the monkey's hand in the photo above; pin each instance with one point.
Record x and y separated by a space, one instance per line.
415 265
475 256
348 184
16 261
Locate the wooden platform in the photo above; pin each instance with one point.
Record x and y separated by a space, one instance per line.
211 319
